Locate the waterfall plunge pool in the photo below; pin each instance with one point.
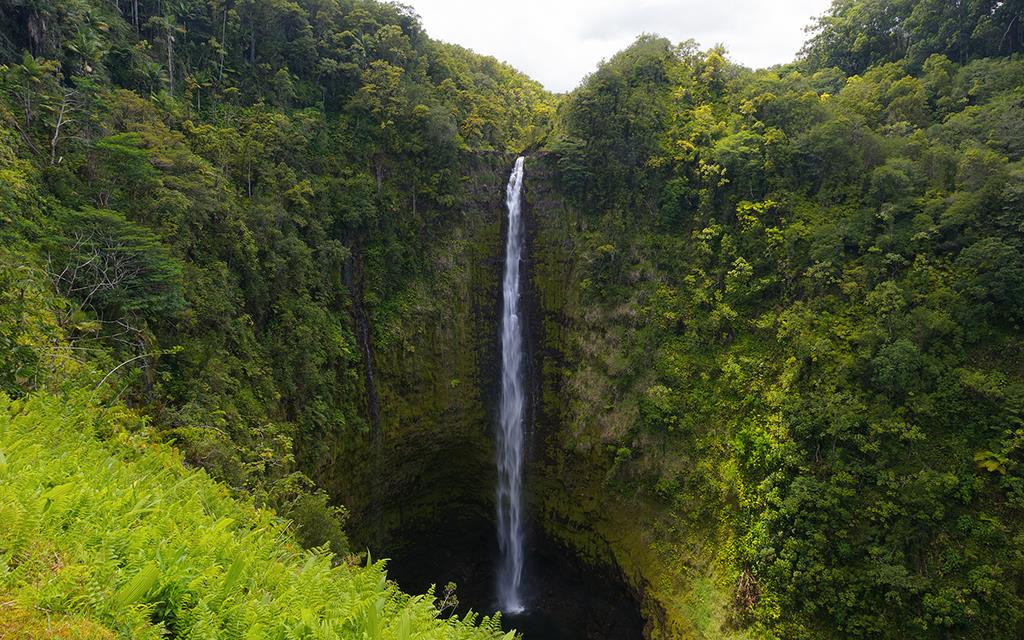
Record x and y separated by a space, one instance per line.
564 598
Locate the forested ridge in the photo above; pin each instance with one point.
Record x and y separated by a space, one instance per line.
787 400
798 337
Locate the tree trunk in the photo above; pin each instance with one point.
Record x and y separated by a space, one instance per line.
223 45
61 120
170 59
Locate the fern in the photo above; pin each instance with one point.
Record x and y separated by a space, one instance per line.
137 587
122 533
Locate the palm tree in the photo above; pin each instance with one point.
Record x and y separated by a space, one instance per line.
167 27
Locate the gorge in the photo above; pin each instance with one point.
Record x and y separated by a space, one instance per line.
540 585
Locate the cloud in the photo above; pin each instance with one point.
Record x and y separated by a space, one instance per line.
655 17
558 42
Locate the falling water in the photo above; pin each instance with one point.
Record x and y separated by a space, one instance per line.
510 431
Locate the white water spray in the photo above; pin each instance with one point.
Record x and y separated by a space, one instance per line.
513 401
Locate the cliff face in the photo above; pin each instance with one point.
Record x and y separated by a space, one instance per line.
436 360
582 484
428 458
570 461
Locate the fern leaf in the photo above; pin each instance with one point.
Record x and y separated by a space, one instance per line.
137 587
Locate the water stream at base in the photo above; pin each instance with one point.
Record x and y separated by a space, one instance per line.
564 597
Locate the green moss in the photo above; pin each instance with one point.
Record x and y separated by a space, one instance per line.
586 500
434 354
19 624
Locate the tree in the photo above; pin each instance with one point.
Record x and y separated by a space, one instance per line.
31 86
168 29
113 267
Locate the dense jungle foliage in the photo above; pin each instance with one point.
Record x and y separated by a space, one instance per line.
799 340
202 194
196 200
795 354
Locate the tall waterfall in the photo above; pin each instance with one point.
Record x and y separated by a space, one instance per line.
513 401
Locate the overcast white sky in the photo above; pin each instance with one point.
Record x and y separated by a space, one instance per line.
559 41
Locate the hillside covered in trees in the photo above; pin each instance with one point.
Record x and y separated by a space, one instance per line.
797 339
198 194
247 291
196 199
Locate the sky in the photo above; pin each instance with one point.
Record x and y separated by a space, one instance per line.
558 42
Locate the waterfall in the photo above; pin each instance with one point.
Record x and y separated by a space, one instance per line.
510 418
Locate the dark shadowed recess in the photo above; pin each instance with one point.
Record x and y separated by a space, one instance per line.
566 599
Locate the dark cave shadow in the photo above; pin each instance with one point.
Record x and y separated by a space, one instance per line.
566 599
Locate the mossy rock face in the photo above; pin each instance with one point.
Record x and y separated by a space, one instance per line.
579 492
436 368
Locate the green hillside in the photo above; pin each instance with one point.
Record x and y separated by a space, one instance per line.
795 352
110 535
197 201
